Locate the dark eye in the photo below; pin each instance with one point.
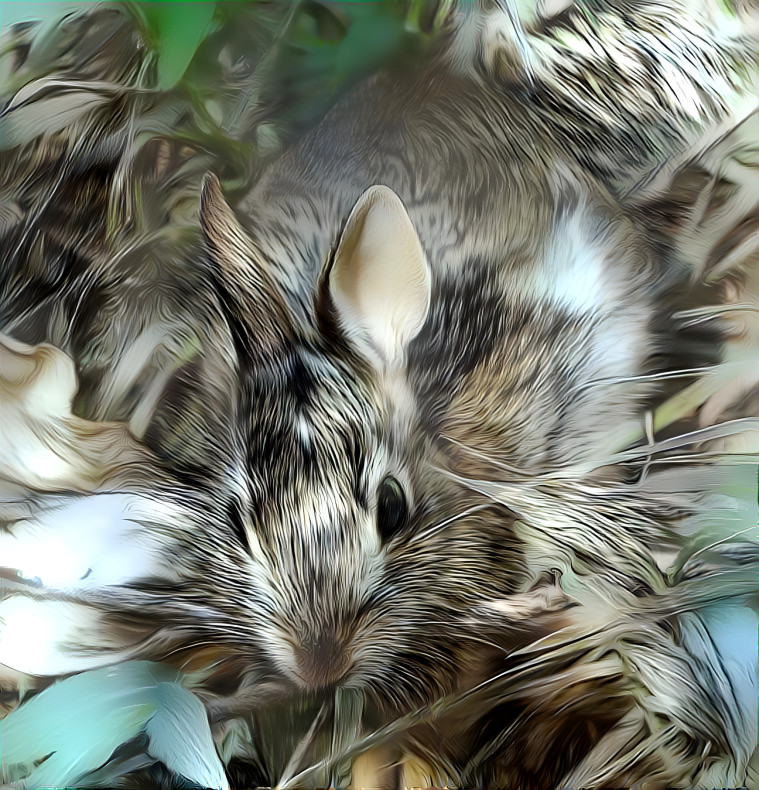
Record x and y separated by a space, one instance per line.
392 510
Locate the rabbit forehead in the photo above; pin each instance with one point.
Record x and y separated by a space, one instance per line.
316 422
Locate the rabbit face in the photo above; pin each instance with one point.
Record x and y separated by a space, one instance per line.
352 534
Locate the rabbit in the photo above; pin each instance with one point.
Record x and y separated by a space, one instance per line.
445 326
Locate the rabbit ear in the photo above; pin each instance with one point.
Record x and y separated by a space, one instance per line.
380 281
252 298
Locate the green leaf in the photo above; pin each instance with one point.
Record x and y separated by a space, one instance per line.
181 739
177 30
72 728
371 40
76 724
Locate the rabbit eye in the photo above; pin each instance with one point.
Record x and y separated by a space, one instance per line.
392 510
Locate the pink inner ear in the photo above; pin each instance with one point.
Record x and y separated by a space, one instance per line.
380 280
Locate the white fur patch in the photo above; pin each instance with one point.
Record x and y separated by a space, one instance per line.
583 272
35 635
89 541
303 430
573 273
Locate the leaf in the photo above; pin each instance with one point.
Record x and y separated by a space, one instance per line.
346 730
76 725
181 738
177 30
371 40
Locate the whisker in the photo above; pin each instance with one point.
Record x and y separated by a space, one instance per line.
190 646
720 431
723 458
479 454
666 375
435 528
701 315
632 454
520 474
720 542
487 642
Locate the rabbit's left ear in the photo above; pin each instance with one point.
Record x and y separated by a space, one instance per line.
379 281
251 297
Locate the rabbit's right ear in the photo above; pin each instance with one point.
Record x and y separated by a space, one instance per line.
251 297
379 282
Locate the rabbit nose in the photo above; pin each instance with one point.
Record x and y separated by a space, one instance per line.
322 661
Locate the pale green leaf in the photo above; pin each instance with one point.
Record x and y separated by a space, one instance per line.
181 738
72 728
76 724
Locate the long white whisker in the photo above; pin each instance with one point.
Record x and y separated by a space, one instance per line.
720 431
666 375
721 542
723 458
435 528
701 315
487 642
479 454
